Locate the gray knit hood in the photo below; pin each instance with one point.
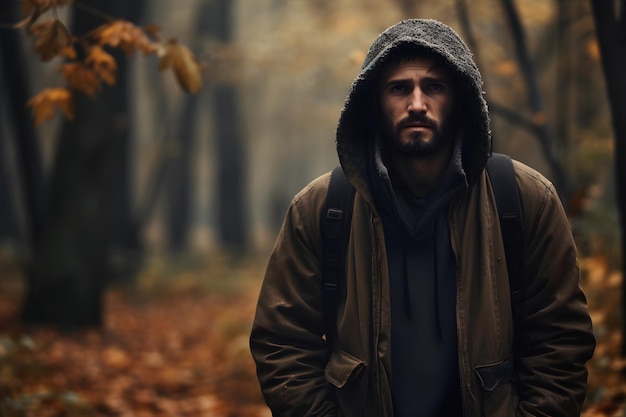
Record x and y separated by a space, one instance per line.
357 125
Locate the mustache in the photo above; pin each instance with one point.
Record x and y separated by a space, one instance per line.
417 118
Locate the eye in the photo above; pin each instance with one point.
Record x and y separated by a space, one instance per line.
435 87
399 88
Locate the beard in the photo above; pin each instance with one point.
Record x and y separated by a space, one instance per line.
421 143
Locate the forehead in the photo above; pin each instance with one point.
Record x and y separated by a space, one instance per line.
424 64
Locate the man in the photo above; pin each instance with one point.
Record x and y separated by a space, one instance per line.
425 324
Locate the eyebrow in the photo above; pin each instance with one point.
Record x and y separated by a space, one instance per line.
439 78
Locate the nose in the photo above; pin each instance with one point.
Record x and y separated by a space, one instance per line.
417 102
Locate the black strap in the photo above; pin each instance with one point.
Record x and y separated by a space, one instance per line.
336 219
502 176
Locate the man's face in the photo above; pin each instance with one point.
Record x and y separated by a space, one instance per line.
417 99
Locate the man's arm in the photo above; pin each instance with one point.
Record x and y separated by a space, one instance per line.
554 337
286 339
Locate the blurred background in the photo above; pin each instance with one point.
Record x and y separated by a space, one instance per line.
133 238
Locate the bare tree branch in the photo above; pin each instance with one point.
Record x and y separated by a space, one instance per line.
561 178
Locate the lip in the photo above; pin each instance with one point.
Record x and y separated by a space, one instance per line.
417 126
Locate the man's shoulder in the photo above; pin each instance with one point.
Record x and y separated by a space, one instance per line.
530 179
314 189
310 199
536 191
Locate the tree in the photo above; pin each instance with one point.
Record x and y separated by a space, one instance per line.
26 143
231 157
88 218
542 128
536 124
610 20
88 227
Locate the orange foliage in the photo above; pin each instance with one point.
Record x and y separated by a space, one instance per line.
52 39
103 64
123 35
81 78
46 102
185 355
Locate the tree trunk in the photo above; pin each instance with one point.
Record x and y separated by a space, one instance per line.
231 174
181 180
8 217
565 63
29 161
611 33
88 219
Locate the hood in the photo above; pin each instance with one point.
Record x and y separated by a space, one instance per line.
358 123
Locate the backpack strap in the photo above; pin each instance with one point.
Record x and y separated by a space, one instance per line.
506 192
336 218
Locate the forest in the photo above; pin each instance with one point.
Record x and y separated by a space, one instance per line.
149 150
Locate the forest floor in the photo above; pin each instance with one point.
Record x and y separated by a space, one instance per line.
178 347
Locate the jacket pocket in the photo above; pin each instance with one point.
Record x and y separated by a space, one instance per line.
341 366
492 375
499 391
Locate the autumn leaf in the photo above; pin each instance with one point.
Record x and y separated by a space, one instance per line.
39 6
103 64
53 39
81 78
124 35
46 102
186 67
152 30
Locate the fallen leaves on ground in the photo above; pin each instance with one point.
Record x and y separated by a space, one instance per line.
607 369
184 352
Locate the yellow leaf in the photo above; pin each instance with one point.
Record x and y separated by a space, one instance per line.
46 102
81 78
185 65
52 39
123 35
103 64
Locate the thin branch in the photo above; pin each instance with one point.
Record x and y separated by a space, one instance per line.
561 178
513 117
93 11
468 33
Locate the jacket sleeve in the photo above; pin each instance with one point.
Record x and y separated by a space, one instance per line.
286 339
554 337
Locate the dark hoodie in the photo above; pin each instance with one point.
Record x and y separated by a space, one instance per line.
422 271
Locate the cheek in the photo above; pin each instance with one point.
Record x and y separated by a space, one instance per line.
448 107
392 112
